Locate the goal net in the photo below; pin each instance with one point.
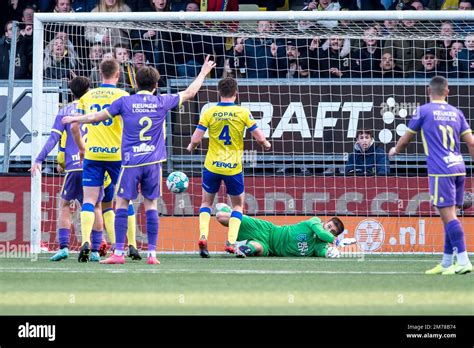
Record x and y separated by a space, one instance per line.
319 84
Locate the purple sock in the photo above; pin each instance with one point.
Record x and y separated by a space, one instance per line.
448 247
121 225
456 235
96 239
63 238
152 229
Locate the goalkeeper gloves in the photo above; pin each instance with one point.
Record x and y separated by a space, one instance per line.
333 253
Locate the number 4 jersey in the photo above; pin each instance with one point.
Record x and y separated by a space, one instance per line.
442 126
143 115
104 137
226 123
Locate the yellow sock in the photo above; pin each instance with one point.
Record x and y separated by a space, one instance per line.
87 221
234 225
204 219
109 221
132 228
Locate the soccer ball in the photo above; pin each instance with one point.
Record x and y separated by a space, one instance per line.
468 200
177 182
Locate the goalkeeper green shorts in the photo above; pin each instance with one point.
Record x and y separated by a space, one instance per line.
252 229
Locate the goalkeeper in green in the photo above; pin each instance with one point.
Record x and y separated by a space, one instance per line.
311 237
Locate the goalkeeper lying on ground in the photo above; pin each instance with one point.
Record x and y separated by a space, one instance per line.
263 238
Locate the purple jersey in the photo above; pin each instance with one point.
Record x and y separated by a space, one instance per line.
143 114
68 146
442 126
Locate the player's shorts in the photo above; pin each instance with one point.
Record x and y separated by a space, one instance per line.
149 178
109 192
252 229
72 187
211 182
93 172
446 191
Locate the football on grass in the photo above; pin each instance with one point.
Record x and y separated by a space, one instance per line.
177 182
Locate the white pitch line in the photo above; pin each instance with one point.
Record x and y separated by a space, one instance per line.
181 270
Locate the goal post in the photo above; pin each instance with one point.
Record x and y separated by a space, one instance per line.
311 120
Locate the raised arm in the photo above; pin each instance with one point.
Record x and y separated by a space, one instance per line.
260 138
89 118
194 87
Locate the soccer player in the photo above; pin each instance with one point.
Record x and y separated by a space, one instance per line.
143 150
226 123
311 237
102 153
72 186
442 126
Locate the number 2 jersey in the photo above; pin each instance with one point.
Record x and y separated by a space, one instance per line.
226 123
442 126
143 115
104 137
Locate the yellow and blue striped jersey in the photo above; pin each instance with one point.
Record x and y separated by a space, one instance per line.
104 137
226 123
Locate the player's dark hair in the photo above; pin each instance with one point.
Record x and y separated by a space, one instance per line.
108 68
364 131
227 87
438 86
79 86
339 225
147 78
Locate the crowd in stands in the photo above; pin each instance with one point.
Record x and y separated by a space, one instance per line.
78 50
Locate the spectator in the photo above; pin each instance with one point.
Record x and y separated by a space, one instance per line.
262 55
108 36
418 5
389 27
466 57
95 77
297 66
408 52
430 65
452 64
127 72
400 5
465 5
96 53
22 64
367 59
63 6
331 62
218 5
59 63
324 5
367 158
388 69
157 45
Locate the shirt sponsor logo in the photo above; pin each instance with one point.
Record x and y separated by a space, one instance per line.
450 116
143 148
452 159
142 108
303 248
220 164
100 149
76 157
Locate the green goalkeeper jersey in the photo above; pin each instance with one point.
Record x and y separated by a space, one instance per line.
306 238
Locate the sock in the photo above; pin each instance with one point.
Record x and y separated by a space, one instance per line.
234 225
204 219
87 221
96 237
132 227
63 237
120 230
456 236
109 221
448 251
152 229
151 253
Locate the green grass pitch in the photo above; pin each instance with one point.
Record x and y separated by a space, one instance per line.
224 285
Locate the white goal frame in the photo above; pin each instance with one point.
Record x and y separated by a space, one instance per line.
41 18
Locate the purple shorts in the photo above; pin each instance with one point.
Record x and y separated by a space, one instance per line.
149 178
446 191
72 187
